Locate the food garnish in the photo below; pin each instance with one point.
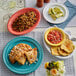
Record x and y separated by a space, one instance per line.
55 13
24 21
22 53
55 68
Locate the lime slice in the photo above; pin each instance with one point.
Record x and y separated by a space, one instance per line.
12 4
53 16
59 15
57 10
49 11
53 12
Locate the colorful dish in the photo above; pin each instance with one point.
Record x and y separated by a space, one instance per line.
55 68
23 21
62 51
54 36
26 68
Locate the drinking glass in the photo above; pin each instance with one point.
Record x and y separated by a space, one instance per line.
20 3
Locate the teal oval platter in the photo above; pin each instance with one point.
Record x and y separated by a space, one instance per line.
26 68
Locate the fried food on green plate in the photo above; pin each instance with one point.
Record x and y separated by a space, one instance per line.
21 60
17 53
31 55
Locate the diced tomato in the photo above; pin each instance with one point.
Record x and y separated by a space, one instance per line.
54 36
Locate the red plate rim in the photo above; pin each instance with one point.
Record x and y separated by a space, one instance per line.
18 13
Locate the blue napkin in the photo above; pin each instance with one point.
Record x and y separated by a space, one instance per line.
72 13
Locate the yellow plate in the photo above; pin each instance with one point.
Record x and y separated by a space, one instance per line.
54 28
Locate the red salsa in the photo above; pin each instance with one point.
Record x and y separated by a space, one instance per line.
54 36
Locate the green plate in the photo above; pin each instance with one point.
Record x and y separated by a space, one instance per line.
26 68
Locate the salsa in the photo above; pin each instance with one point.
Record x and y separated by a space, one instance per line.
54 36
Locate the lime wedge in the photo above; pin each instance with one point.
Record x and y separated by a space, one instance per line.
53 16
57 10
59 15
12 4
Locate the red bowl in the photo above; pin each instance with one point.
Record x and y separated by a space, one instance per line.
18 13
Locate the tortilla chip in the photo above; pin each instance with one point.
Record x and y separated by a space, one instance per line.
62 52
66 36
54 51
68 46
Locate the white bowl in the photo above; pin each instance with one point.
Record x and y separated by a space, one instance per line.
48 47
63 8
